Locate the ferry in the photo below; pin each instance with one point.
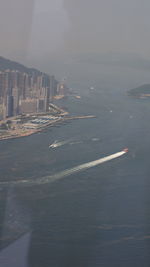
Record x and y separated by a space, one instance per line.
53 145
58 144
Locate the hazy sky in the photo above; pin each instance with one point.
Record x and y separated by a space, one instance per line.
50 24
15 27
109 25
42 28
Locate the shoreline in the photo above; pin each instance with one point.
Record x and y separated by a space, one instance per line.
63 117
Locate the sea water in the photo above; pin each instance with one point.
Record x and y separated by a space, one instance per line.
97 217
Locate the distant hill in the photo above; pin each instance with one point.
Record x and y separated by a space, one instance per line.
12 65
140 91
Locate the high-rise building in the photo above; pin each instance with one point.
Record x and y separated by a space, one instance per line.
62 88
15 94
25 86
16 85
9 107
46 99
28 106
1 84
40 105
14 76
52 87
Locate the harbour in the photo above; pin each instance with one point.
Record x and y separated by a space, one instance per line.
92 211
38 124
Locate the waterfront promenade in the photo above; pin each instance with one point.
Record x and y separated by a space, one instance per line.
22 126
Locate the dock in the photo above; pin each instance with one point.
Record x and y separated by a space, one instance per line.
20 133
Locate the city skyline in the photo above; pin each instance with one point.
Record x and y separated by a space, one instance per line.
23 93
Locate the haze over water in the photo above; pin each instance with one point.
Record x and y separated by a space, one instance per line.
100 216
97 217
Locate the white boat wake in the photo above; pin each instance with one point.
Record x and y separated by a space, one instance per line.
76 143
58 144
95 139
65 173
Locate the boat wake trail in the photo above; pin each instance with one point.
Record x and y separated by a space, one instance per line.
65 173
59 144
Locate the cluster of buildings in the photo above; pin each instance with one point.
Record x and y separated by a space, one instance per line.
23 93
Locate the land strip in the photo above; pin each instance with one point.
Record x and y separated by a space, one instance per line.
26 125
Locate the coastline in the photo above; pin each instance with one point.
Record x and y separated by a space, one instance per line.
63 117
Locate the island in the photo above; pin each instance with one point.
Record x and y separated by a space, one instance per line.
140 92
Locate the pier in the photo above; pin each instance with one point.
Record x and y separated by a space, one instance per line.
24 132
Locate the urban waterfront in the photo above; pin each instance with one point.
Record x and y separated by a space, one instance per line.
96 217
26 90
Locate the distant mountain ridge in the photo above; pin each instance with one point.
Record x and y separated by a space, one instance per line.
143 90
12 65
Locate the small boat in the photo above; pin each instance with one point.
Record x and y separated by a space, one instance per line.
53 145
126 150
95 139
58 144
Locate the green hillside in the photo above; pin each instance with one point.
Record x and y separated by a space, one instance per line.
139 91
12 65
